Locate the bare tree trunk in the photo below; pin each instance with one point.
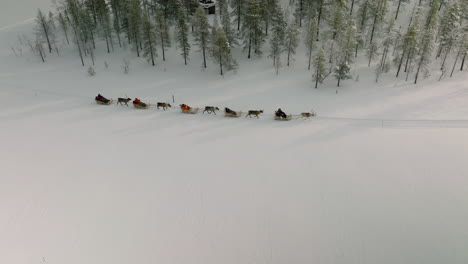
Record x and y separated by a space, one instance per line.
398 9
463 62
454 64
204 58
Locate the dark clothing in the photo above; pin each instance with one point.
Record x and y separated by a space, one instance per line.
101 98
229 111
280 113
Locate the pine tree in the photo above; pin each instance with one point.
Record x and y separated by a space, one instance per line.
462 50
427 40
73 15
252 28
399 5
310 39
291 40
342 71
226 24
278 24
201 31
162 32
134 24
116 10
182 35
377 10
407 48
149 39
53 32
337 18
43 28
319 65
389 39
103 16
448 30
238 12
64 25
220 51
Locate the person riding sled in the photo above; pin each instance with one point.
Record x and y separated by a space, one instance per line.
139 102
229 111
185 107
280 113
101 98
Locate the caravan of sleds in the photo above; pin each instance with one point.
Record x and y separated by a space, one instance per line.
137 103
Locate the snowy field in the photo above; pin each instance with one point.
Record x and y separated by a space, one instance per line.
365 182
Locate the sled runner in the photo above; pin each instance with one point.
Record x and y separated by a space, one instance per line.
287 118
105 102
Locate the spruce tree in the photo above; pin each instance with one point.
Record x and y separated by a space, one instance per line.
291 40
341 72
220 51
278 25
149 39
201 31
238 11
427 40
449 24
134 24
407 48
182 34
162 32
310 39
319 67
252 28
226 24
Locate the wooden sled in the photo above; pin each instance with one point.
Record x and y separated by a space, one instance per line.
190 110
238 114
103 103
141 106
308 114
288 117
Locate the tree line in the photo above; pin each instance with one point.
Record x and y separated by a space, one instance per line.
335 32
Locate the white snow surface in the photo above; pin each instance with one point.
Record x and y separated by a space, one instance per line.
91 184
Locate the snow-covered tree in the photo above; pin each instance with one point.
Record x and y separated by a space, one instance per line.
342 71
310 39
149 39
462 45
319 67
407 49
448 32
400 4
225 17
427 40
220 51
252 32
337 18
43 29
238 11
377 12
162 32
278 25
134 24
291 40
201 31
182 35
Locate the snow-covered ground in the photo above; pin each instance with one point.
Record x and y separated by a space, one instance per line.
365 182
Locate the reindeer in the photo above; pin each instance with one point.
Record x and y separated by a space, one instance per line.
210 109
163 105
123 101
254 112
